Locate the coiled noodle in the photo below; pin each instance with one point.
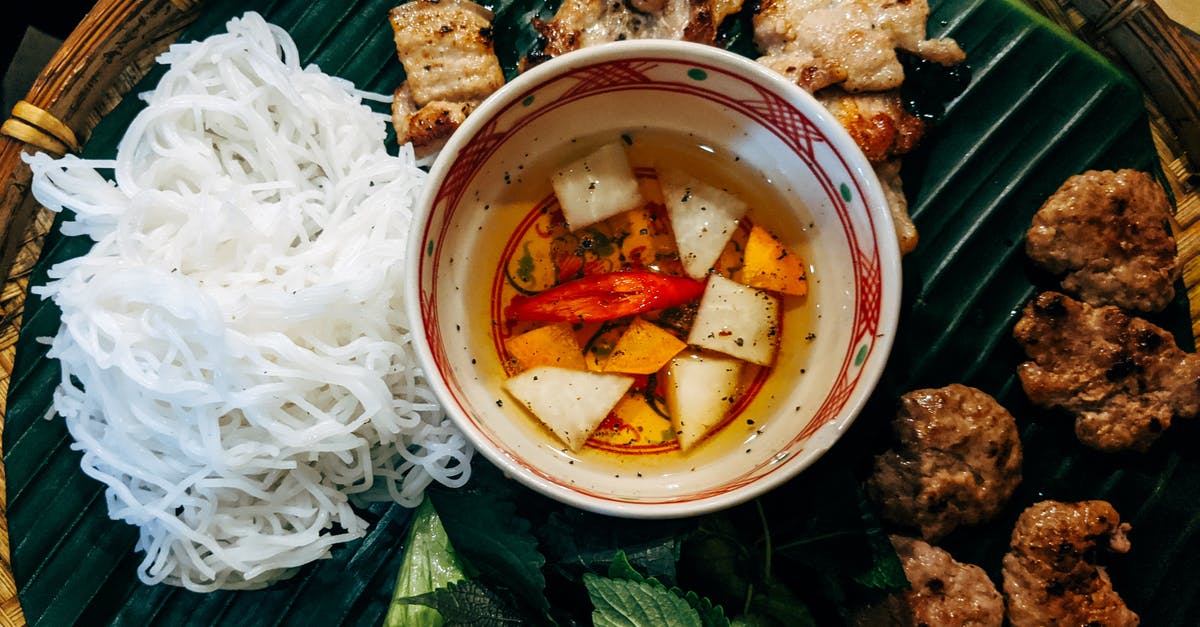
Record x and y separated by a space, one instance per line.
236 363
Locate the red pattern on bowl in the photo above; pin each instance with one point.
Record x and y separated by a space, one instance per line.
760 106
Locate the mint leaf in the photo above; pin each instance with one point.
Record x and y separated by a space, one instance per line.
710 615
468 604
620 568
429 563
622 603
482 522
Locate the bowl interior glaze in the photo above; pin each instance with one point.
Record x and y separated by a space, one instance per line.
496 167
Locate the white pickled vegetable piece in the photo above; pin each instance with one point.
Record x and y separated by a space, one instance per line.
572 403
596 187
703 218
700 391
737 320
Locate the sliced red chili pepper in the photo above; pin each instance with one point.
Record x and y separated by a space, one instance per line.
599 297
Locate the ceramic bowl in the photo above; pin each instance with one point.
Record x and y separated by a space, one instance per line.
493 173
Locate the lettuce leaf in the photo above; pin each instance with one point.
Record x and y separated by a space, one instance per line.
430 563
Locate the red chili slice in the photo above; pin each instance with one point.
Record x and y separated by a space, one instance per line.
600 297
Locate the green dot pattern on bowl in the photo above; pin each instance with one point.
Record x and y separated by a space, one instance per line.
846 195
697 74
863 351
527 101
429 249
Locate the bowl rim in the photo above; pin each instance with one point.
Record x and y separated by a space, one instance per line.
856 162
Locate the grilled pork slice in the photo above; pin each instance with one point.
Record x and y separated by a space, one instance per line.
893 190
818 43
878 122
447 51
582 23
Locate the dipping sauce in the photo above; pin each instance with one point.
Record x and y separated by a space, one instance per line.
543 252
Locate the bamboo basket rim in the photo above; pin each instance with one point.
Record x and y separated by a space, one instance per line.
114 46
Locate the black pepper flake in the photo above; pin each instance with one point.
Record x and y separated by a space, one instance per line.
499 403
749 421
811 336
472 361
739 341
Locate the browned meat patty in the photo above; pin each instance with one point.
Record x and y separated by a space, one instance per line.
944 592
958 461
1123 378
1048 578
1108 233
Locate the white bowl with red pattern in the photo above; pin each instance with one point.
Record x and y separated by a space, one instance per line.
496 167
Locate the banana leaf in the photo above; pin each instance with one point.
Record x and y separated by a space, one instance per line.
1040 106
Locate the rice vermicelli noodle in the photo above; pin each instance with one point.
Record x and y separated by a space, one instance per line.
236 362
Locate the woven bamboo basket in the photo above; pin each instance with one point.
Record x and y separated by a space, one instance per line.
115 44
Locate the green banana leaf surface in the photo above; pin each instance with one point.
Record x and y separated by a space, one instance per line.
1039 107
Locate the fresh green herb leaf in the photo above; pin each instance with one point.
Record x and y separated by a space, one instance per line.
482 522
710 615
469 604
620 568
429 563
623 603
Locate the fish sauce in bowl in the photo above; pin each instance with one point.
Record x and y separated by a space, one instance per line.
542 252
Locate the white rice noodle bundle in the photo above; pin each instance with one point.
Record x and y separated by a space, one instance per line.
235 356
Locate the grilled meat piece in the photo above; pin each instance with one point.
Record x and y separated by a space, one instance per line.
958 461
893 191
1048 578
582 23
878 122
448 56
427 127
852 42
944 592
1108 233
1123 378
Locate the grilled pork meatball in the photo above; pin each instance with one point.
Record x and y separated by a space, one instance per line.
958 461
944 592
1123 378
1107 232
1048 578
